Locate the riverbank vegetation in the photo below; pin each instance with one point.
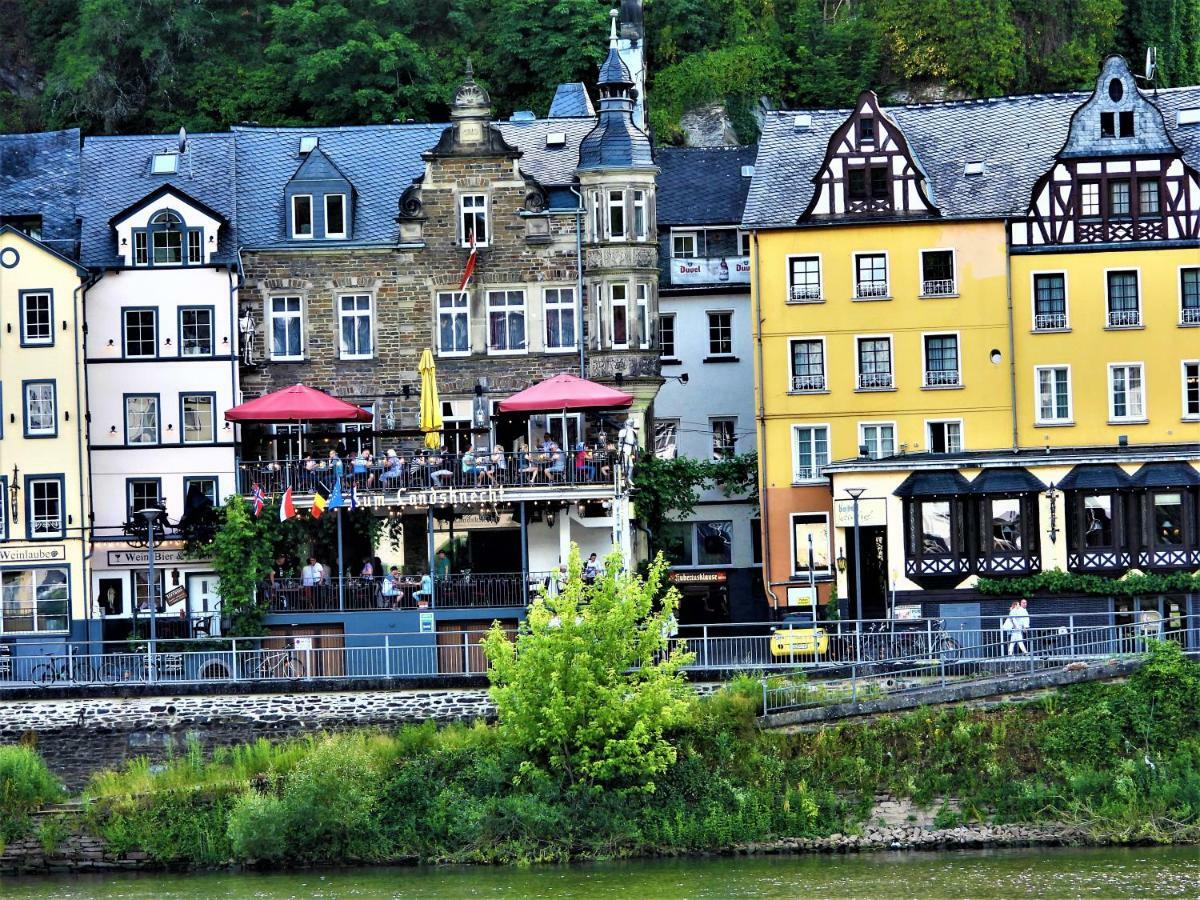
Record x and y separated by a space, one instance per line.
600 750
25 785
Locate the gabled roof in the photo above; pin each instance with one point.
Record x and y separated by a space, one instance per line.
41 245
1016 138
702 185
571 100
116 176
157 194
39 175
317 166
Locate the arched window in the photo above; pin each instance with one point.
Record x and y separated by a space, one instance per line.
167 241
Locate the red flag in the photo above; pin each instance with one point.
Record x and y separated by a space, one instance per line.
286 508
259 499
469 270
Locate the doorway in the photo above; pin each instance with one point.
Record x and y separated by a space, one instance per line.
875 603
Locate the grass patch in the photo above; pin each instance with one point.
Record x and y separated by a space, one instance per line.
26 784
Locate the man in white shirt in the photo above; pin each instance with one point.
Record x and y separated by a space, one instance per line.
312 574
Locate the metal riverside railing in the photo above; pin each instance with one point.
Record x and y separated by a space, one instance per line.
888 662
416 471
872 654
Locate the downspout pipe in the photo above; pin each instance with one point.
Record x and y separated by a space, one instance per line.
83 439
579 280
763 493
1012 338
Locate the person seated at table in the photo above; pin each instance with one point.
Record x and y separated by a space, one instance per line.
585 467
499 465
528 461
558 462
310 471
393 470
470 466
425 592
390 589
358 468
437 471
606 461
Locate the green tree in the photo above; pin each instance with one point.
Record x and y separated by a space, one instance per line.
241 555
593 685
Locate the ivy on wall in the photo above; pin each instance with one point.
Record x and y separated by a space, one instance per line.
1132 583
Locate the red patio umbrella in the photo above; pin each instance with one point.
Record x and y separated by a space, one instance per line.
297 404
563 392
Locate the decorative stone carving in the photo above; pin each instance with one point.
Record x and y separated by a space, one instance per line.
633 257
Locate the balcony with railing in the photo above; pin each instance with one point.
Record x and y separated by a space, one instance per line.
1190 315
806 383
1124 318
460 590
875 381
1053 321
411 475
938 287
870 290
942 378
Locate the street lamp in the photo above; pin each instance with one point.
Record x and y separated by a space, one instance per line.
855 493
151 514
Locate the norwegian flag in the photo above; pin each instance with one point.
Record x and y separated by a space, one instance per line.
259 499
469 269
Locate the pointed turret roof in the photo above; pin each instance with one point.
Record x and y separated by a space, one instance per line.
616 142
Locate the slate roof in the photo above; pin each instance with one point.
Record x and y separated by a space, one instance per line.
1094 477
1014 480
552 166
702 185
616 142
571 100
933 484
1166 475
116 175
1016 138
39 175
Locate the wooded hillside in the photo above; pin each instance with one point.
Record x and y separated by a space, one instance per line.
153 65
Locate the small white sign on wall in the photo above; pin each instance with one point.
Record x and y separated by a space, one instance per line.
871 511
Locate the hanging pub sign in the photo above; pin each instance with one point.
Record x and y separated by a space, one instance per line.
713 270
697 577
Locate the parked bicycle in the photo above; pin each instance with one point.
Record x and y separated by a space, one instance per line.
885 643
275 664
76 670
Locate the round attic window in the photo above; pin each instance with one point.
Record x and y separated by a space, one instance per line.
1116 90
9 257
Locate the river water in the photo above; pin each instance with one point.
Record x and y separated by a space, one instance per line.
1143 872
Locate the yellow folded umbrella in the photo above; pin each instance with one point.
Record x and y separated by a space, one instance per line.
431 409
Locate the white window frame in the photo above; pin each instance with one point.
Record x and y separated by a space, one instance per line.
1033 313
60 519
743 238
858 375
508 310
1097 201
673 355
29 430
816 478
125 332
1183 369
1112 416
641 299
460 305
341 198
286 314
791 287
597 215
356 313
195 247
713 421
612 314
792 376
197 327
958 353
1193 312
1137 280
641 217
862 438
560 306
929 423
953 292
684 237
48 296
708 326
296 235
1038 418
887 275
613 205
475 213
212 418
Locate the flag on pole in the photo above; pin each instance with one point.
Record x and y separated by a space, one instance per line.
287 509
335 496
320 501
469 269
259 499
353 497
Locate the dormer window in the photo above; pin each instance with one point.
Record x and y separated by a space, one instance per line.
167 241
1108 124
308 143
868 183
302 217
1125 122
335 215
866 130
164 164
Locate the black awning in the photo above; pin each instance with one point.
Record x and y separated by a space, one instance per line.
1095 477
1008 480
1166 475
933 484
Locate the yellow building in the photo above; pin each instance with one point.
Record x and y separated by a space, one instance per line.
959 306
43 471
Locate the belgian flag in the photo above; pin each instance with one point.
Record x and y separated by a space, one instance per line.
320 501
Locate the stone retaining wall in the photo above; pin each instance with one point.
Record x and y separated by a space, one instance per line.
71 850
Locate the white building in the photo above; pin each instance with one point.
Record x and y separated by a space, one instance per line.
706 408
161 363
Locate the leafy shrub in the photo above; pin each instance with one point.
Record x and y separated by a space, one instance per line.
254 828
25 785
